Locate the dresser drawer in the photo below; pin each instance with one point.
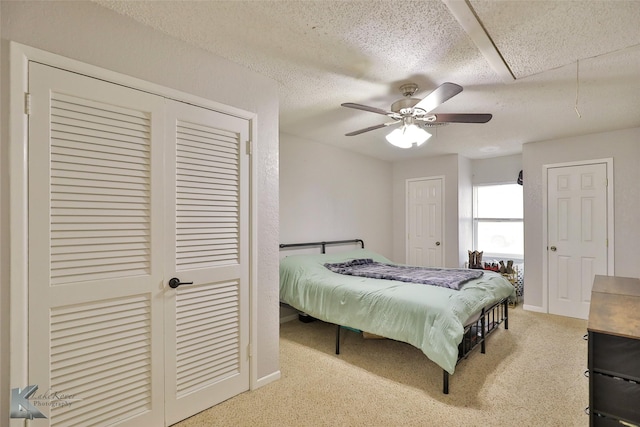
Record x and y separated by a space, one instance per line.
615 354
605 422
616 397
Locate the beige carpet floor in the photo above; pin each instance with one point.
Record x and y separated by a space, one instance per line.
531 375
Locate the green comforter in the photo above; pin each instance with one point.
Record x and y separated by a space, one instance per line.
428 317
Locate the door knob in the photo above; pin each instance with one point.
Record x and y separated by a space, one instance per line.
175 282
553 248
437 243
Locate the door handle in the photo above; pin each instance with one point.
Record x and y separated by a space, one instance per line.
437 243
553 248
175 282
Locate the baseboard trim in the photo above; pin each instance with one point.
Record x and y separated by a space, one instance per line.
275 376
535 308
289 318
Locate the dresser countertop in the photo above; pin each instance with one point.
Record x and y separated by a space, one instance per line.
615 306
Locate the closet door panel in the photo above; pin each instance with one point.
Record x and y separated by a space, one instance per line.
206 320
95 271
128 190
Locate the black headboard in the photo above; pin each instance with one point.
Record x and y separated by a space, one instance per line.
323 245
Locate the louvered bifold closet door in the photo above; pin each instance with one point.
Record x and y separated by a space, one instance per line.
206 321
95 279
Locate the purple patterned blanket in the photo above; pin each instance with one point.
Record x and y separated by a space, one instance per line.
444 277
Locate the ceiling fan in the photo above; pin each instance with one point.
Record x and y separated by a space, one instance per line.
415 113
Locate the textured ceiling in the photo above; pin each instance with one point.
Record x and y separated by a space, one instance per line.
576 64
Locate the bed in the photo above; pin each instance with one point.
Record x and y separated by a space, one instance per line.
444 323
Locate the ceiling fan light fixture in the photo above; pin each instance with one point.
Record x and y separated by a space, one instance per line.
408 110
407 136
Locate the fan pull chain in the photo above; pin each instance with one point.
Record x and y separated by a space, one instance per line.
577 87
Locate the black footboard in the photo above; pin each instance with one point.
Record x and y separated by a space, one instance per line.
476 333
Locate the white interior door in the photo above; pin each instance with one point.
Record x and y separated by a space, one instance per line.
95 277
577 235
424 222
206 320
126 191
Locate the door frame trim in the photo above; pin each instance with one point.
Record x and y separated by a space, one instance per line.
545 227
406 214
19 57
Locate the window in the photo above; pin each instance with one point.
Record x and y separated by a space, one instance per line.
498 226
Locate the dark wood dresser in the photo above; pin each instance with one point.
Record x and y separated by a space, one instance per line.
614 352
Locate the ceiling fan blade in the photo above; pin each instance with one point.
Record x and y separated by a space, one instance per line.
358 132
460 118
441 94
367 108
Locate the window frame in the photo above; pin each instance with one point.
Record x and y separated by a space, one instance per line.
475 221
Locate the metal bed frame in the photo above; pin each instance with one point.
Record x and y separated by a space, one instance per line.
475 333
323 245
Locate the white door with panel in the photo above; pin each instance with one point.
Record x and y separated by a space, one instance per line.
207 318
100 213
424 222
577 235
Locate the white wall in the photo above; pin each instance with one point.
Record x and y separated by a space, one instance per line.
496 170
89 33
331 194
621 145
465 209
